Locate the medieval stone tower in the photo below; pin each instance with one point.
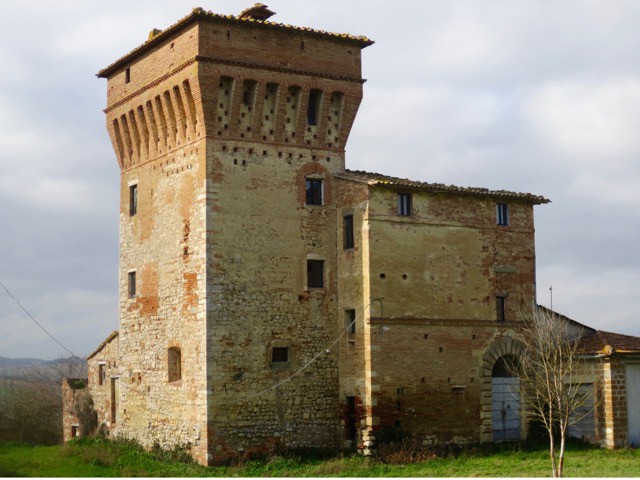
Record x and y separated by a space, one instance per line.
227 131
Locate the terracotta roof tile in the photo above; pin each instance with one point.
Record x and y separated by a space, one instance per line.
608 342
377 179
201 14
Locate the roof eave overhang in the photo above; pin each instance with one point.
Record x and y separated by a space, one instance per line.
449 190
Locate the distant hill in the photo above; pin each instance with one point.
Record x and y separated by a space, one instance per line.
25 367
19 362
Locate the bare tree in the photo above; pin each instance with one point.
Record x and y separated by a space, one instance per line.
551 370
31 398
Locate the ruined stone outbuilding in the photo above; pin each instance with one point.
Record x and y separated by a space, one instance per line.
269 296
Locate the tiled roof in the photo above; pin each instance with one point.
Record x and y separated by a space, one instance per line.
379 180
201 14
598 341
608 342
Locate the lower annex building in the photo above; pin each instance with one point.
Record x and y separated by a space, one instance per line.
269 296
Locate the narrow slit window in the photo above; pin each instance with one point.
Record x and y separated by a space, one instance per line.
500 310
502 214
348 232
127 75
131 284
133 200
315 273
313 107
174 359
102 374
313 191
350 320
404 204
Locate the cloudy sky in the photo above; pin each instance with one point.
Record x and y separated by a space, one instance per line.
534 96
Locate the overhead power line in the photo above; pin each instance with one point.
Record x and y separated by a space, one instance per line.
35 321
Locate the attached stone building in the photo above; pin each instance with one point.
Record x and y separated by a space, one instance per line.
270 296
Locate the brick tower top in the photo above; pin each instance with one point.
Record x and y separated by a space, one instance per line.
247 19
233 77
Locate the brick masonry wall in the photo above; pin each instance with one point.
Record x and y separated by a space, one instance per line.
438 272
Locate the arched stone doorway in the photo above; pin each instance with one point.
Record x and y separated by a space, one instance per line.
500 403
505 400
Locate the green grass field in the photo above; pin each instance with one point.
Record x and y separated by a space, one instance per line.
100 458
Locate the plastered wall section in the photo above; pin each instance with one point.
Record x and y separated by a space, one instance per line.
353 294
156 123
438 272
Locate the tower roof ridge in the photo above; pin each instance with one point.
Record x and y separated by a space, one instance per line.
198 13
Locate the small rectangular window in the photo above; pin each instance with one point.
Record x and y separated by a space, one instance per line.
133 200
127 75
75 431
174 360
500 312
350 320
131 284
315 273
404 204
280 355
348 231
502 214
314 191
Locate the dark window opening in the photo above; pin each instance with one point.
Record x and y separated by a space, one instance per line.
313 107
74 431
127 75
133 200
280 355
174 360
114 399
132 284
102 374
500 311
404 204
314 191
315 273
502 214
505 367
348 232
350 424
350 320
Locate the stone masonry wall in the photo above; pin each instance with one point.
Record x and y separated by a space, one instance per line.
73 394
261 234
156 123
103 381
